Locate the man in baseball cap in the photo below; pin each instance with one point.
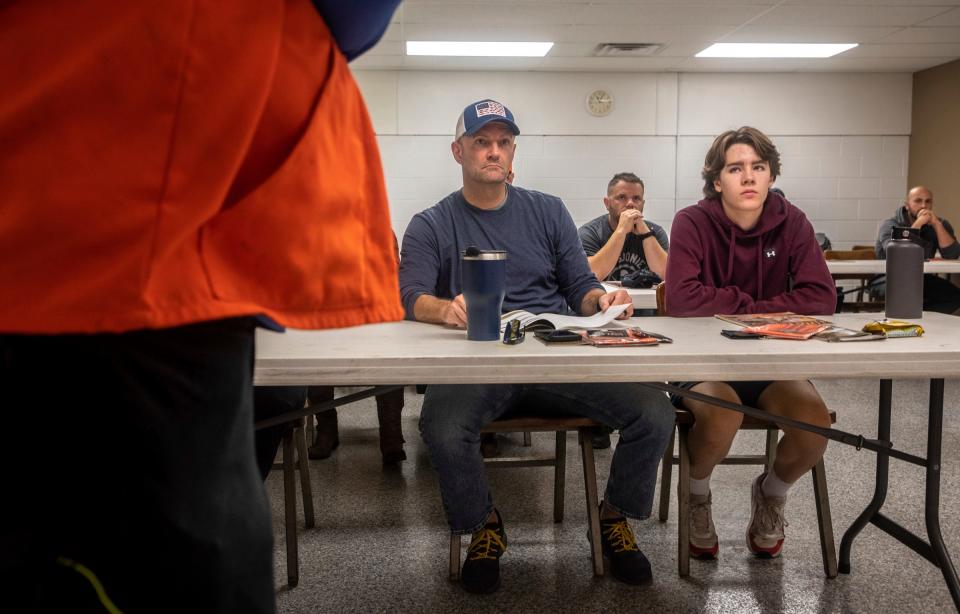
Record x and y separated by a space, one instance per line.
547 272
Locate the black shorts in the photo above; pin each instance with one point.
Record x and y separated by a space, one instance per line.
748 392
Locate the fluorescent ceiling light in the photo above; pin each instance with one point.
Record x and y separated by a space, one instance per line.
478 49
774 50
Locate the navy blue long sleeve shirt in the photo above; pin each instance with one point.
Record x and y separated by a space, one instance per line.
546 270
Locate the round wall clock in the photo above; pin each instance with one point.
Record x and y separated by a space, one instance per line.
599 103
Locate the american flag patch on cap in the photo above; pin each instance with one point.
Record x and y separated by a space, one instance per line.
490 107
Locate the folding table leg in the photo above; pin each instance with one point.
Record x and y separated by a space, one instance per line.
880 484
932 498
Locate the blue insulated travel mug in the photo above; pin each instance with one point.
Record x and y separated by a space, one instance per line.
483 281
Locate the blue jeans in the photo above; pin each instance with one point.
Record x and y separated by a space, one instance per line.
452 417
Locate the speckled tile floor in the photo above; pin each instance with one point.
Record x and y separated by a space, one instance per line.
381 540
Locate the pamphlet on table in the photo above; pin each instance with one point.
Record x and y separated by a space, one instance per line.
539 321
789 325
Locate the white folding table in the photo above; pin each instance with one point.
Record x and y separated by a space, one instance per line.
415 353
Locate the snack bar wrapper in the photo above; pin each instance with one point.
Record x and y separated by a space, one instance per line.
893 328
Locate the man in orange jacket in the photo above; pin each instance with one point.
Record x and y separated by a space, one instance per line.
171 175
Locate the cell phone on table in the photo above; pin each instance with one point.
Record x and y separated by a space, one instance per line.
740 334
558 336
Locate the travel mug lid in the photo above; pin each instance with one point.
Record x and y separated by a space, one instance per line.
472 253
904 233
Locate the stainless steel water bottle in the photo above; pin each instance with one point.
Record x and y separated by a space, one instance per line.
904 277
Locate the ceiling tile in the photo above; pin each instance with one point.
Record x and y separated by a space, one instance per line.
742 64
904 51
669 15
833 15
377 62
646 34
876 2
480 12
841 64
895 35
610 64
456 63
481 31
923 35
385 47
949 18
808 34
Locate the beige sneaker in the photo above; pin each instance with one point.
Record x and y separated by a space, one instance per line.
765 531
704 544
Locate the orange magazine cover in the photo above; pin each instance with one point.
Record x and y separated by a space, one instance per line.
783 325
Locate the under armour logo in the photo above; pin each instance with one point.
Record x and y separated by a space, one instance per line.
770 253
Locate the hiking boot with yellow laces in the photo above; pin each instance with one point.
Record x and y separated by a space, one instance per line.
627 563
765 531
481 570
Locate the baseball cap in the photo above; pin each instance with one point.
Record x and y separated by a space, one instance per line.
480 113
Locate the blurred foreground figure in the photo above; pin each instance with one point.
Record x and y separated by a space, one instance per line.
172 175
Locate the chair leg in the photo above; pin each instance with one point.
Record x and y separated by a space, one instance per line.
773 436
527 441
590 486
454 557
665 478
290 510
559 475
306 489
828 547
683 507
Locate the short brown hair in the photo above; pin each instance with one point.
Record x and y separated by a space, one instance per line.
717 155
625 177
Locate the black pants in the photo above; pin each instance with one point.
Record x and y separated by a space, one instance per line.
270 401
940 295
131 466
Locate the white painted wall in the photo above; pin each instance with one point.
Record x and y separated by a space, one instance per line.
843 138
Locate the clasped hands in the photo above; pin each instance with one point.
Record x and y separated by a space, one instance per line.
924 217
631 221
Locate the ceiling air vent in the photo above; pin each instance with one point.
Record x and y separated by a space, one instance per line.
627 50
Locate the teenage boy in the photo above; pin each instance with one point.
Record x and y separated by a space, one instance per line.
745 249
547 271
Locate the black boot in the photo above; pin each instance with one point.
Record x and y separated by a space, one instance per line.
389 407
627 563
481 570
489 448
601 437
327 436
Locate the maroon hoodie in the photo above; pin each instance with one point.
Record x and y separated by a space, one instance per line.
715 267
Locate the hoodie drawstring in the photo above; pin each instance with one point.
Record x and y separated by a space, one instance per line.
733 247
760 268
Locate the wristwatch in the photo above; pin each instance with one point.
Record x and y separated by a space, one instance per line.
645 235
